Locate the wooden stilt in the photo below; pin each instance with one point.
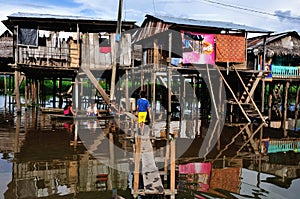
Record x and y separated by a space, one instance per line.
127 100
112 184
54 93
26 94
38 92
172 169
270 100
60 99
287 86
137 164
262 96
17 92
296 108
5 91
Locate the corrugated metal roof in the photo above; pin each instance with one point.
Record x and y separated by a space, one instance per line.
206 23
50 16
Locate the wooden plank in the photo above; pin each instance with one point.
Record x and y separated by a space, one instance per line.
151 177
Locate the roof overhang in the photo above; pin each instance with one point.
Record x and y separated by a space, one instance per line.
64 23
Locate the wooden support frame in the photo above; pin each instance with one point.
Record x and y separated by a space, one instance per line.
251 99
235 98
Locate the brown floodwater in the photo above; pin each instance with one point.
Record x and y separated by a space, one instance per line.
44 158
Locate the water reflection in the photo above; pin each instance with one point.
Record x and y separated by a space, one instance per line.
93 159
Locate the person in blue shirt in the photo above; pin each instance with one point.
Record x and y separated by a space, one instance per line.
143 106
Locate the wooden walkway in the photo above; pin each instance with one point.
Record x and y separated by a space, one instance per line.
151 177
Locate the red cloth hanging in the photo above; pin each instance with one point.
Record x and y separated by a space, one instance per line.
230 48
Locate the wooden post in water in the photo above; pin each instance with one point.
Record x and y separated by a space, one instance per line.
54 93
76 93
26 93
17 91
287 86
60 100
296 108
38 91
4 84
137 164
172 169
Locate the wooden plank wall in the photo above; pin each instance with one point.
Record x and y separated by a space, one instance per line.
93 57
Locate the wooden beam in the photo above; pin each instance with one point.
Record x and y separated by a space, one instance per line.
94 81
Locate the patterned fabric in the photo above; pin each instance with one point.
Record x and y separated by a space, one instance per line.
230 48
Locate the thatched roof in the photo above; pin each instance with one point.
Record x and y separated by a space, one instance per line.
287 43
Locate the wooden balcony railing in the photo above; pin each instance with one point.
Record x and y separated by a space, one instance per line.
285 71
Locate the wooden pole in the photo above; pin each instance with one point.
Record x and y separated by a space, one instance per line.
263 82
127 100
17 92
169 104
296 108
172 168
5 91
54 93
270 100
76 93
26 93
137 164
287 85
60 100
169 87
4 84
114 65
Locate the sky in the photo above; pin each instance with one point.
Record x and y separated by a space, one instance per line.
272 15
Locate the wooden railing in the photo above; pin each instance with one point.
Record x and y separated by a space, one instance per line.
45 56
285 71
